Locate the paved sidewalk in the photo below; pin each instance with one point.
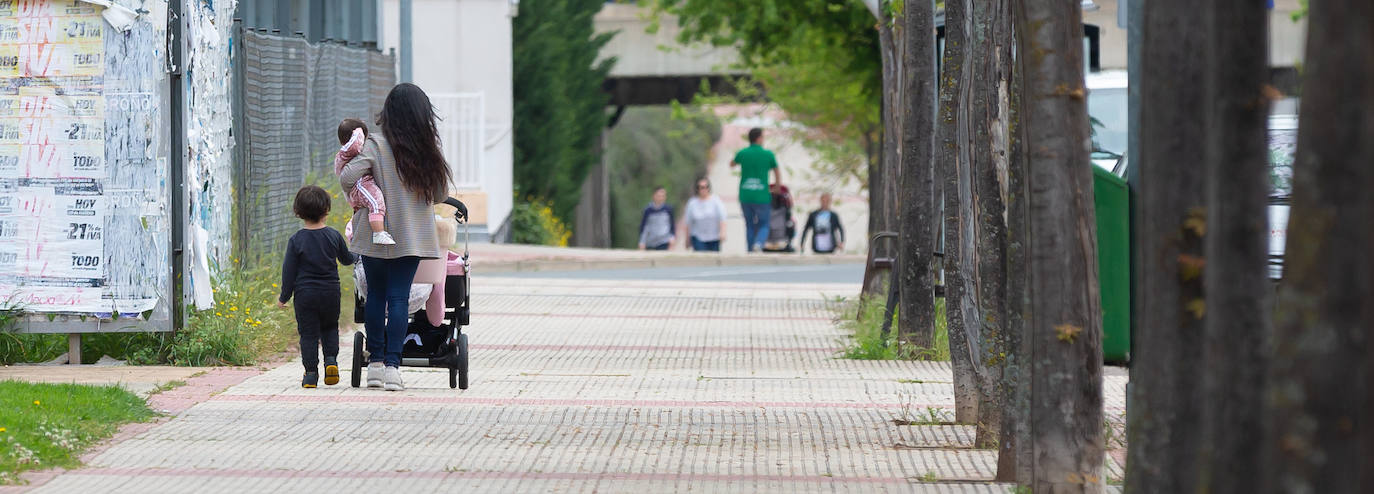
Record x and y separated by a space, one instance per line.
585 386
508 258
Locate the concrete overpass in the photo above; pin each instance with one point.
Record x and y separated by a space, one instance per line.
653 69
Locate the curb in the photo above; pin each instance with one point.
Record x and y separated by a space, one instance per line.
537 265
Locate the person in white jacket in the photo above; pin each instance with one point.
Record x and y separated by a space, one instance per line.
703 221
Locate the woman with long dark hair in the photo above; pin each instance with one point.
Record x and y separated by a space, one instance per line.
405 162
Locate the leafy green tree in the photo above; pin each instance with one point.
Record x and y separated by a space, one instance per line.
560 110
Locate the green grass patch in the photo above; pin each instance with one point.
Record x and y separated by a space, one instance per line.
49 425
865 322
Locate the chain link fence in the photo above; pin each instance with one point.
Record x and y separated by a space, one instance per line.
290 97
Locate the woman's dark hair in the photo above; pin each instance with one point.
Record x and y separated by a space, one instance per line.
408 122
312 203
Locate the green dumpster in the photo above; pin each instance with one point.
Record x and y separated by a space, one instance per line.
1113 263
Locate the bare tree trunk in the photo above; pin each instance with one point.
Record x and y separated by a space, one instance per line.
1237 248
961 308
991 52
882 178
1065 325
916 320
1013 455
1164 427
1323 357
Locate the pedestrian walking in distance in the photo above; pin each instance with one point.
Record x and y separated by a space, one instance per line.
656 226
310 276
824 225
703 220
755 163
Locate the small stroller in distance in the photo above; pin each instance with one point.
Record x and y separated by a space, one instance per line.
781 228
428 345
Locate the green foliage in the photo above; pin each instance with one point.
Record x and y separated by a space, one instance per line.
865 321
48 425
818 60
1301 13
532 222
560 110
652 148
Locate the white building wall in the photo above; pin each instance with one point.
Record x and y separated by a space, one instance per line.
1286 38
464 46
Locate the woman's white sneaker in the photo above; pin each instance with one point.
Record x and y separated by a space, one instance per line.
376 375
393 379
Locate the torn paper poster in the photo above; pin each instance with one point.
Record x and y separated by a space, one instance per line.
120 17
80 116
208 122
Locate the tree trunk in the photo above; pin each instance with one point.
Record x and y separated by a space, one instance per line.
916 320
1237 248
1323 364
991 50
961 308
882 178
1065 325
1013 455
1164 420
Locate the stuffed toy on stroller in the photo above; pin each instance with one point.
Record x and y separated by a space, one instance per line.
438 306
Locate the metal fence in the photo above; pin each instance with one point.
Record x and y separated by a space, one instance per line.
462 131
290 97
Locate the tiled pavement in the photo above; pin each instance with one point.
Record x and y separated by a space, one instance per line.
585 387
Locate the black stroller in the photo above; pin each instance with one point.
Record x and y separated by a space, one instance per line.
781 227
426 345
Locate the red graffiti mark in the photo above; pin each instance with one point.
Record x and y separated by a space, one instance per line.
43 157
38 30
36 59
36 107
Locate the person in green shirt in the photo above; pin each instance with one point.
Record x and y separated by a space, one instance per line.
755 196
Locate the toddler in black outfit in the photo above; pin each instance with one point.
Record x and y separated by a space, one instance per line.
309 274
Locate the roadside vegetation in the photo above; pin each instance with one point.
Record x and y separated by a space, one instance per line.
49 425
865 323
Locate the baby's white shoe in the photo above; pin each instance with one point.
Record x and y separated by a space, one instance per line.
382 238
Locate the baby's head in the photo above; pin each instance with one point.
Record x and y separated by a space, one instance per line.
346 128
312 204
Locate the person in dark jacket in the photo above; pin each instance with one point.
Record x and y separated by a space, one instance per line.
656 226
309 275
824 225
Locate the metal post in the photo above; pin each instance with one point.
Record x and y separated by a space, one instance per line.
369 19
1135 19
74 348
177 162
406 74
284 17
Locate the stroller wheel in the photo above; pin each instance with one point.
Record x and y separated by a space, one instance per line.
359 342
452 378
462 361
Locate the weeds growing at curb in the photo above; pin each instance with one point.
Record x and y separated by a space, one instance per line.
865 322
49 425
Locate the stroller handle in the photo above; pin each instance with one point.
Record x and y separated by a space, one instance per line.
462 213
